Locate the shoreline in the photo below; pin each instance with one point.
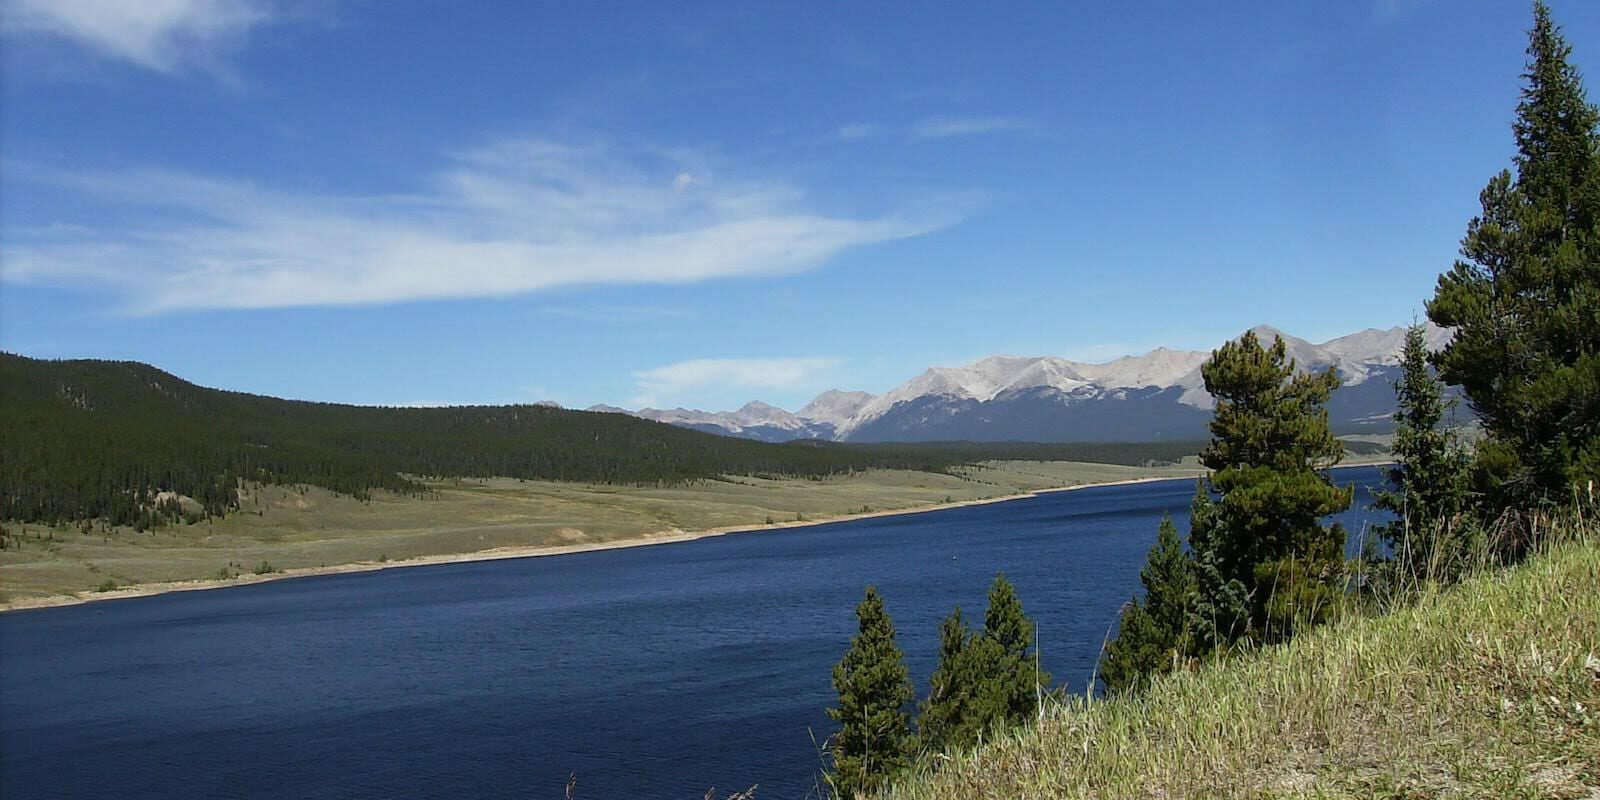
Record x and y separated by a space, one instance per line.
669 536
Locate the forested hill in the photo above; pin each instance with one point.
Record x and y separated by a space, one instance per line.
104 440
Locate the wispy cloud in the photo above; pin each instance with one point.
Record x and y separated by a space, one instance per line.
940 127
859 130
665 383
514 217
163 35
947 127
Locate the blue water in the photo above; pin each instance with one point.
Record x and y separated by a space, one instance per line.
648 672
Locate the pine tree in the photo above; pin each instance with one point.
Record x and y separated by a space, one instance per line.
874 742
1525 299
1265 562
946 719
1153 634
1221 603
984 681
1013 679
1429 477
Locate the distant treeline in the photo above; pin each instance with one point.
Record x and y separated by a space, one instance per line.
102 440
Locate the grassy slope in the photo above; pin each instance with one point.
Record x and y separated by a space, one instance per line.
1490 690
309 527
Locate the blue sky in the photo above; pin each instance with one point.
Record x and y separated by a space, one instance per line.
702 204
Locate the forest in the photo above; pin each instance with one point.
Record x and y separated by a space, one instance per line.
121 442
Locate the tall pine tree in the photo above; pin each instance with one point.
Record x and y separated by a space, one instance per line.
874 742
1429 477
1153 634
1525 299
947 719
1015 680
1265 561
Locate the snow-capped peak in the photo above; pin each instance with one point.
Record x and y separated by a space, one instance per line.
1382 346
1159 367
981 380
756 413
837 414
751 415
834 407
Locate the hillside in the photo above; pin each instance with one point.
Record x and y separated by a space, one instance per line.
1489 690
122 442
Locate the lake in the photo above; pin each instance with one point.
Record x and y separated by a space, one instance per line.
653 672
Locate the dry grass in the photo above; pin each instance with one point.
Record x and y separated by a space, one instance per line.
298 528
1487 690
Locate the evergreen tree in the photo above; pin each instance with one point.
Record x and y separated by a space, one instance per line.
1429 477
1013 678
874 741
1265 561
947 718
1221 603
1153 634
1525 299
983 681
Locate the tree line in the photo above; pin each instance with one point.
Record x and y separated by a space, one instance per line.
116 443
1260 562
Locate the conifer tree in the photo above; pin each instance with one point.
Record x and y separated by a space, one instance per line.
947 715
1429 477
1153 634
986 680
1014 680
1265 561
874 741
1525 299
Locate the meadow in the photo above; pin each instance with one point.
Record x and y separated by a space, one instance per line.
282 530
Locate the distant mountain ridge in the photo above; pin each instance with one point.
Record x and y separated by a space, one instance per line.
1158 396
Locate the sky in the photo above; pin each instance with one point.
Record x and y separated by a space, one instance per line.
424 202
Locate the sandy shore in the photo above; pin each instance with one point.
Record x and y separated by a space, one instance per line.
526 551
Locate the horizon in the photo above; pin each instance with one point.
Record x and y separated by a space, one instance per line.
736 205
757 401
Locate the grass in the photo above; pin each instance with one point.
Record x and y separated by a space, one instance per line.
1490 689
294 527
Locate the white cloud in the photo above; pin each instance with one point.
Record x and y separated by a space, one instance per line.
163 35
946 127
515 217
727 373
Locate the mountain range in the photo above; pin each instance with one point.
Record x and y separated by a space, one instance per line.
1158 396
